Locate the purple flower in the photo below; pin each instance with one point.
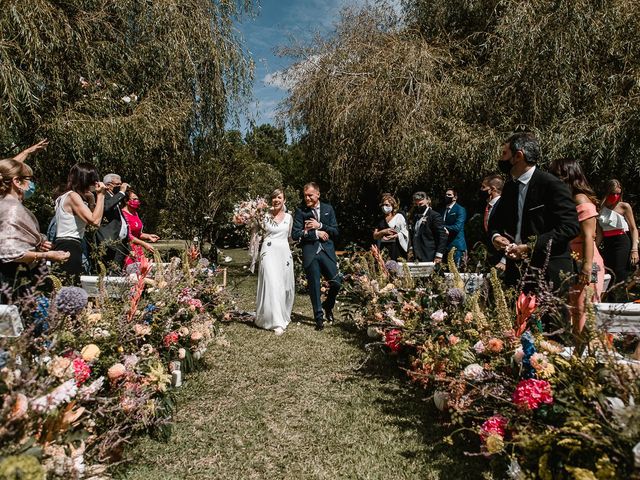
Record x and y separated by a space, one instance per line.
71 300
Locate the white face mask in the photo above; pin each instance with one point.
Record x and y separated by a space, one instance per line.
387 209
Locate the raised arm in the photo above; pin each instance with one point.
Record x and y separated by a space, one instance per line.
79 209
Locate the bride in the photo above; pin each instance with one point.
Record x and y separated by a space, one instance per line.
274 299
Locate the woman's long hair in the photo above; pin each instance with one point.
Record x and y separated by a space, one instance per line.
570 172
81 177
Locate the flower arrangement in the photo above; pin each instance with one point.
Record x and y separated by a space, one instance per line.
485 360
73 394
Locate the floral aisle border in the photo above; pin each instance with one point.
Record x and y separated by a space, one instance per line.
546 410
86 376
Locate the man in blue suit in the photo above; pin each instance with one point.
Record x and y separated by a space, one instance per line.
316 227
454 216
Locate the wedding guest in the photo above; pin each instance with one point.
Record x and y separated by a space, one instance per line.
137 238
113 235
490 193
72 214
428 236
583 247
454 217
392 231
23 249
535 207
619 231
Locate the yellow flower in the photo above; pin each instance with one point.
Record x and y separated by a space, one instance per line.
495 444
90 352
158 375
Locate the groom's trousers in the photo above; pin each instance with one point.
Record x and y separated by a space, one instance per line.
322 265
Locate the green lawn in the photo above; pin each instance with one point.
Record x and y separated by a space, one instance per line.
294 406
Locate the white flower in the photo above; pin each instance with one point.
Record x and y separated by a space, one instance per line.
89 391
438 315
473 371
61 394
518 355
126 99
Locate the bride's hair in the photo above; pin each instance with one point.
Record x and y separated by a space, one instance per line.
276 192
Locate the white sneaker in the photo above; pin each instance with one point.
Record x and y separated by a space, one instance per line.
279 331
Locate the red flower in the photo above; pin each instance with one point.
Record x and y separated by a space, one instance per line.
393 339
81 371
170 338
531 393
525 306
493 426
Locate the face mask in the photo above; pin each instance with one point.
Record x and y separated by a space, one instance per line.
484 195
504 166
613 198
29 191
135 204
448 200
116 189
387 209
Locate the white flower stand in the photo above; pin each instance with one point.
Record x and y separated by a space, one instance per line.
421 269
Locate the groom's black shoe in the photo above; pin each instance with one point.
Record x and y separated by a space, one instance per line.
319 325
328 314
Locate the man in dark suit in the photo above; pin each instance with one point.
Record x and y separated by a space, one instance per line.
490 192
316 227
454 217
428 236
113 235
535 215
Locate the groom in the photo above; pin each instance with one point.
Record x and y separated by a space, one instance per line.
316 227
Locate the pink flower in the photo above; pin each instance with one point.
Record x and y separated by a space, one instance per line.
393 339
81 371
116 371
170 338
479 347
493 426
518 355
531 393
453 339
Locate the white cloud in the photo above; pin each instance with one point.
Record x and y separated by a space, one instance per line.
287 78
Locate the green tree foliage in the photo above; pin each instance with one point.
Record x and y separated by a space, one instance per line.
137 87
420 103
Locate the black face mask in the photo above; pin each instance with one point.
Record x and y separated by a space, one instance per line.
116 190
505 166
484 196
448 200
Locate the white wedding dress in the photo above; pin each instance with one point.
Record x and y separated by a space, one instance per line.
276 289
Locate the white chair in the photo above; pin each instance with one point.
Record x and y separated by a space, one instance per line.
619 317
421 269
10 321
114 286
472 281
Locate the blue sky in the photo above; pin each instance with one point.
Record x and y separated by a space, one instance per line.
278 23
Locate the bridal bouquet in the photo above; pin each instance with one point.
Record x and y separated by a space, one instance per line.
252 214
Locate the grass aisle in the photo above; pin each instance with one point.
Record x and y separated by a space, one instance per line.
272 407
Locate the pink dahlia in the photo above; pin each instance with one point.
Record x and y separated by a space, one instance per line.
493 426
531 393
170 338
393 338
81 371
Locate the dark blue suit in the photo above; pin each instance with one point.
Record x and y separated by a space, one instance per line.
454 223
319 258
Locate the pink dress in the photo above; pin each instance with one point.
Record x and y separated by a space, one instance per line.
577 294
135 230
